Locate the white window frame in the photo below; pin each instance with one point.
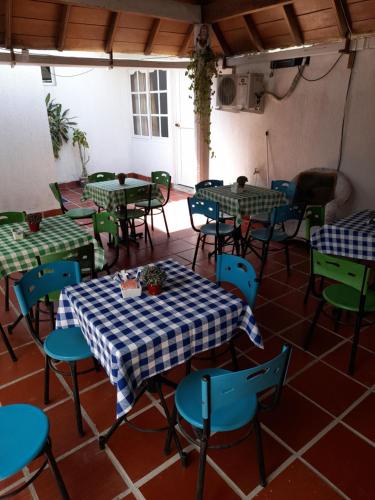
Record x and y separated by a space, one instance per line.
149 115
53 76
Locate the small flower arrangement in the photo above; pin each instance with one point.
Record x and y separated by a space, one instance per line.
153 277
121 178
33 221
241 181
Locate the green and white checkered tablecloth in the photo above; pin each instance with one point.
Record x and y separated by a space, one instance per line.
111 194
56 234
253 200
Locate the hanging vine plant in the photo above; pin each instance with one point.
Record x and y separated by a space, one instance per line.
201 70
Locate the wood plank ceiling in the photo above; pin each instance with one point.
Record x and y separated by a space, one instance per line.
166 26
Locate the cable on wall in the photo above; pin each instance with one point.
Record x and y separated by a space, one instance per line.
77 74
322 76
291 89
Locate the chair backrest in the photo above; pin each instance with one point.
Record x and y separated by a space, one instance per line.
106 222
10 217
223 391
138 193
208 208
208 183
286 187
84 255
57 194
165 179
44 279
102 176
314 217
239 272
342 270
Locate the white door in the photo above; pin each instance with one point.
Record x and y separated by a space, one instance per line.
186 174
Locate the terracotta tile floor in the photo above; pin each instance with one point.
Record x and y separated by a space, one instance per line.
319 443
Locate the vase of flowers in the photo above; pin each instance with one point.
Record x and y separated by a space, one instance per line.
153 277
121 178
33 221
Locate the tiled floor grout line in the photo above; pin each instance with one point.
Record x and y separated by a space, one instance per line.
283 466
123 474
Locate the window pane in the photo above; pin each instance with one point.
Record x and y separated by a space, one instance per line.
142 81
162 80
155 126
163 103
133 82
143 100
135 104
46 74
137 125
154 103
144 125
164 126
153 80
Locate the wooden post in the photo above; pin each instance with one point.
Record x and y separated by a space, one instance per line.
203 153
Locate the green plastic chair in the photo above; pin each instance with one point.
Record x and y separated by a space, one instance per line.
163 179
132 211
350 292
73 213
102 176
10 218
107 222
314 217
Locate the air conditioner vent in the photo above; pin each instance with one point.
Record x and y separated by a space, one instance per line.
227 90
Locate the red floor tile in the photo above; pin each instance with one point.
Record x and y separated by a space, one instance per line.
30 359
367 338
296 420
298 482
347 461
322 341
179 482
294 301
361 417
88 473
294 279
271 289
275 318
327 387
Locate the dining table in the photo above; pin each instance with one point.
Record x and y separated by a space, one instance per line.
56 234
137 338
352 236
111 194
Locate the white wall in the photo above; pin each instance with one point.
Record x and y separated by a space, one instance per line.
26 158
98 99
304 130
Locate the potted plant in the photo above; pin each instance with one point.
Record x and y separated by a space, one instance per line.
241 181
153 277
79 137
59 124
121 178
33 221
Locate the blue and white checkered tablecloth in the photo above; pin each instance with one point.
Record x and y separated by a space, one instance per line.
352 237
137 338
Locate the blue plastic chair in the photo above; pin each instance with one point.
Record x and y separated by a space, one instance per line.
64 344
24 436
276 232
239 272
208 183
221 232
286 187
218 400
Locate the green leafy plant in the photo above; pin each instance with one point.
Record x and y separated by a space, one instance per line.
59 124
153 275
201 70
80 138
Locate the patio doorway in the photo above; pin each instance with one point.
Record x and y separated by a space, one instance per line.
186 160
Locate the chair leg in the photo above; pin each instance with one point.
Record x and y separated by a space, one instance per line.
287 258
196 252
147 232
77 403
152 219
233 354
264 260
259 447
308 290
6 293
7 344
202 467
312 326
165 221
55 470
337 320
188 366
96 364
46 379
353 353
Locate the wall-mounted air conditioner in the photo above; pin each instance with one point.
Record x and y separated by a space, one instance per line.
240 93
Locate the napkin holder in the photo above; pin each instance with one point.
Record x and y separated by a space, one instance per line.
235 188
18 234
130 287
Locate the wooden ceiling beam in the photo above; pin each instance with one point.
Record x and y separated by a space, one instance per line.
340 17
223 9
185 44
63 27
152 36
253 33
163 9
292 22
115 17
8 23
227 51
